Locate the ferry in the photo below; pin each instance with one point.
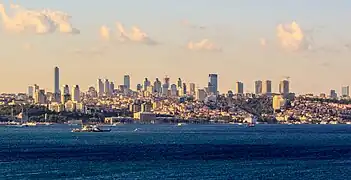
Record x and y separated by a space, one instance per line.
250 125
29 124
89 128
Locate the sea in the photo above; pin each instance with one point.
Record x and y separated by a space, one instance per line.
177 152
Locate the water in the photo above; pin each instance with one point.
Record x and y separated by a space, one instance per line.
171 152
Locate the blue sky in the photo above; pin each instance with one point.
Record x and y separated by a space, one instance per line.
234 26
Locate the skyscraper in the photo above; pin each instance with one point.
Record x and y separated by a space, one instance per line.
76 94
30 91
179 83
174 91
107 87
166 82
284 87
157 86
213 83
239 88
126 81
333 94
267 87
345 91
57 81
146 84
192 89
258 87
65 94
100 87
112 87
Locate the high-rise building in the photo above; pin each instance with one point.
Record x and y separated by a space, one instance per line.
57 81
284 87
184 89
167 82
258 87
213 83
30 91
333 94
112 87
76 94
201 95
174 91
139 87
40 97
179 83
192 89
157 86
146 84
267 87
126 81
65 94
100 87
345 91
239 88
107 87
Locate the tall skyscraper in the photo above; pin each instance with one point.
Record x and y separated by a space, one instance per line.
126 81
179 83
100 87
30 91
157 86
112 87
239 88
146 84
107 87
284 87
65 94
258 87
166 82
192 89
213 83
76 94
267 87
57 81
345 91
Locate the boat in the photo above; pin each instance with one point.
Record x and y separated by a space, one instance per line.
250 125
181 124
90 128
29 124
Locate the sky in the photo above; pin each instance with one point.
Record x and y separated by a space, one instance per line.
308 41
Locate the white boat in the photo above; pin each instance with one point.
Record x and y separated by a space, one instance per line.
181 124
29 124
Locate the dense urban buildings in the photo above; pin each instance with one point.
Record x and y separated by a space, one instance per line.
179 101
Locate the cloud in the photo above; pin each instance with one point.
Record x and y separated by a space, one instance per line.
263 42
203 45
186 23
42 21
105 33
135 35
292 37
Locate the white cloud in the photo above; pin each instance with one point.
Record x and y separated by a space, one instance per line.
263 42
105 33
41 21
135 35
203 45
292 37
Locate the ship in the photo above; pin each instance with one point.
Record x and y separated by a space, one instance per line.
90 128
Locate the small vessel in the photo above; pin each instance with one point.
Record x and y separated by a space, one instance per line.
90 128
250 125
181 124
29 124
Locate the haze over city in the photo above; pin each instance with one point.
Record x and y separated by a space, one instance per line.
239 40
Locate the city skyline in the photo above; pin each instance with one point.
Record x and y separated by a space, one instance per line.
179 42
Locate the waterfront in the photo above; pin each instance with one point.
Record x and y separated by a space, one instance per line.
169 151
